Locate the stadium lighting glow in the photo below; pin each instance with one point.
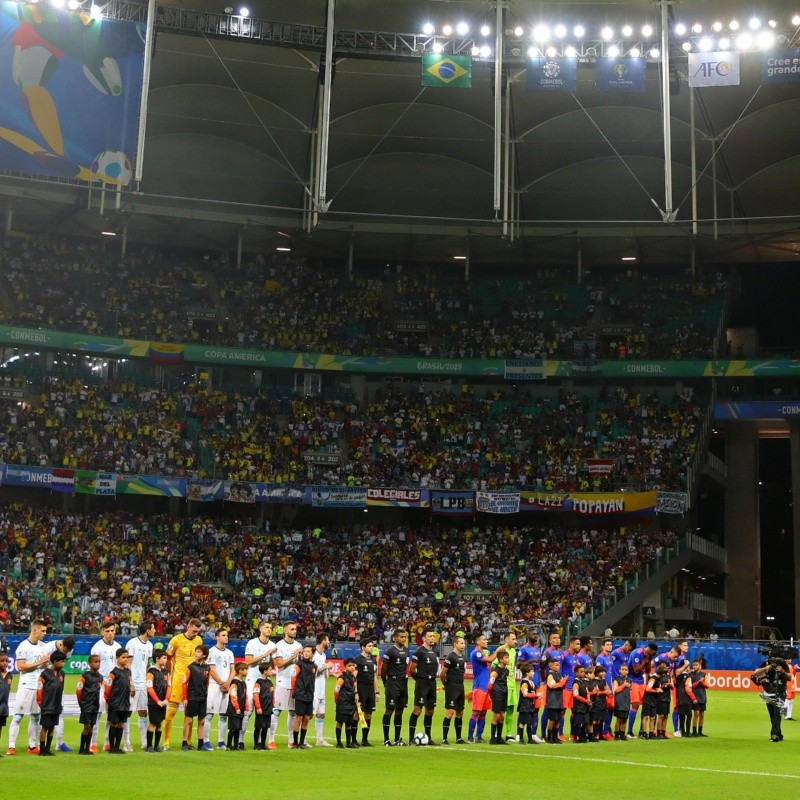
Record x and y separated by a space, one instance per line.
627 31
579 31
724 43
754 24
635 52
541 33
486 51
629 258
647 30
772 23
447 30
716 27
58 3
108 233
244 11
485 30
551 52
697 28
705 44
428 28
734 26
95 12
284 249
687 46
570 51
613 51
796 20
462 29
744 41
765 40
655 53
73 5
606 33
438 47
680 29
560 31
533 51
459 258
476 51
518 31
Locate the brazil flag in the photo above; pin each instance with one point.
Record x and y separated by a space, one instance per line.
443 70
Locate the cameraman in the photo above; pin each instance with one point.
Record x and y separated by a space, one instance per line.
772 676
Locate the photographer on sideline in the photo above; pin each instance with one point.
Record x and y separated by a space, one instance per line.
772 676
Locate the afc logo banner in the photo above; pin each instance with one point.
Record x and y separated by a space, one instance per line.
713 69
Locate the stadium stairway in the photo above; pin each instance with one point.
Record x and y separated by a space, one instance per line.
636 591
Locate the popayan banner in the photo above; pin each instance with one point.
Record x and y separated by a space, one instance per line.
610 506
70 91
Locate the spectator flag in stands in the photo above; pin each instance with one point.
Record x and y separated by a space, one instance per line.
63 480
599 466
442 70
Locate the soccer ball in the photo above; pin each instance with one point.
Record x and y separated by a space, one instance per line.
421 739
113 166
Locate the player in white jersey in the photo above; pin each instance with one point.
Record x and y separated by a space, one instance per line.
66 646
220 659
257 650
141 651
287 654
320 687
106 648
32 657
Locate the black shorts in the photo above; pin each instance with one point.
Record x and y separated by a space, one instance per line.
648 709
598 716
303 708
425 693
115 717
88 718
156 714
454 696
580 716
662 709
366 697
698 706
3 719
499 703
345 716
49 720
524 718
396 693
235 721
262 721
684 708
621 714
195 708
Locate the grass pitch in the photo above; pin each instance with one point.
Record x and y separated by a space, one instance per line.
736 761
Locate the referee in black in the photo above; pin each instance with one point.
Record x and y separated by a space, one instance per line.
367 684
394 674
424 668
453 671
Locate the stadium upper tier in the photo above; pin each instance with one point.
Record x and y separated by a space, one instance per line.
64 566
618 437
292 305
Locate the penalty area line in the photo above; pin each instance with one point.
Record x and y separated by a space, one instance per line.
627 763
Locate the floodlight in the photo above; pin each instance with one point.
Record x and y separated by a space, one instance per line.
533 51
687 46
627 31
244 11
647 31
73 5
717 26
428 28
58 3
724 43
447 30
560 31
485 30
486 51
476 51
606 33
438 47
765 40
754 24
655 53
570 51
635 52
734 25
541 33
518 31
697 28
744 41
613 51
705 44
579 31
796 20
772 23
680 29
462 29
551 52
95 12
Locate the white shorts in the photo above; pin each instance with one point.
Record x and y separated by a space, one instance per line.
25 702
217 702
283 699
319 706
139 700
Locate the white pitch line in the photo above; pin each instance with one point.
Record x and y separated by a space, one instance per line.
626 763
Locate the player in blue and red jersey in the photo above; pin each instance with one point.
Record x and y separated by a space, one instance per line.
620 656
605 660
552 652
639 664
481 660
568 665
531 653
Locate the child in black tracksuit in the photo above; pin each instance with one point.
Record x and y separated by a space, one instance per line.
346 697
5 689
526 704
600 694
699 686
554 699
263 693
159 685
498 690
237 704
49 696
622 702
684 697
88 693
581 706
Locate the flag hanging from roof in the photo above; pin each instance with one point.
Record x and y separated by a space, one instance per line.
63 480
443 70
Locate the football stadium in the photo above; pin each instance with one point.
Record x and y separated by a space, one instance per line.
417 377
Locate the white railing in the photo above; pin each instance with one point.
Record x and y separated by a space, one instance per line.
707 548
704 602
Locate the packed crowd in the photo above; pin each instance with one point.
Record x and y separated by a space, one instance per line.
293 304
80 569
565 441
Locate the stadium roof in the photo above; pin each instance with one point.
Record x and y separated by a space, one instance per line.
230 126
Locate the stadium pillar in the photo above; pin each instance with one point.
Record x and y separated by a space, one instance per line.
742 525
580 262
498 104
794 444
124 241
239 249
351 246
666 110
9 218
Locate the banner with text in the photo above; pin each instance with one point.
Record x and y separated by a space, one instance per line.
338 496
400 498
524 369
497 502
780 66
151 485
672 503
453 503
551 74
713 69
608 506
620 74
204 491
14 475
97 483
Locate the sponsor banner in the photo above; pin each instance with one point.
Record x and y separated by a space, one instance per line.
69 103
524 369
280 493
551 74
453 503
74 342
443 70
672 502
401 498
315 457
26 476
780 66
612 506
736 680
338 496
97 483
7 393
713 69
497 502
239 492
151 485
621 74
758 409
204 491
